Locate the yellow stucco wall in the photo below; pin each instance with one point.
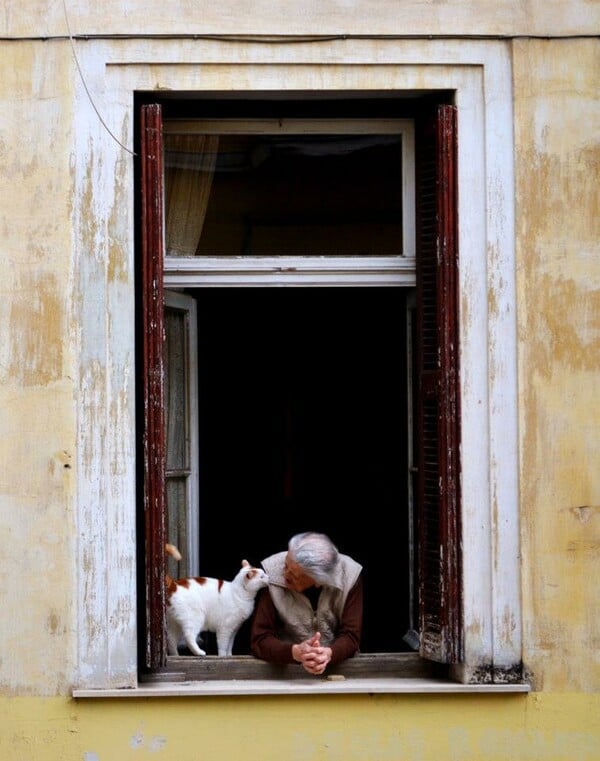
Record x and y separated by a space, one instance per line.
557 124
557 116
452 17
37 350
556 727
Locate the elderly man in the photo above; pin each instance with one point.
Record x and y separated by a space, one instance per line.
312 610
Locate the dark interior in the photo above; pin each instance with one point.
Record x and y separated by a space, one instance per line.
303 425
304 195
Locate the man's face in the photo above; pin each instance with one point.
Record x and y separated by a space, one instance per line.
295 578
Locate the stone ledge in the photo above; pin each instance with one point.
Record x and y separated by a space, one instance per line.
300 686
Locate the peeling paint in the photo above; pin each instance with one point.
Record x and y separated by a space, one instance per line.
53 623
36 332
67 398
584 513
577 548
117 267
558 289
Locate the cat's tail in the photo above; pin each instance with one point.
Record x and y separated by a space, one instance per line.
171 550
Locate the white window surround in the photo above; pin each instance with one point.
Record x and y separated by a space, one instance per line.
103 299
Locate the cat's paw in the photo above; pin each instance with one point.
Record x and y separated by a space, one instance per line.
195 650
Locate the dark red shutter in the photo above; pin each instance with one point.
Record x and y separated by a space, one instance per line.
438 415
151 150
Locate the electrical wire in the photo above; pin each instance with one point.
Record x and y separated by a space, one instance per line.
98 114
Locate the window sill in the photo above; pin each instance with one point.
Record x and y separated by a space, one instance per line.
309 686
244 675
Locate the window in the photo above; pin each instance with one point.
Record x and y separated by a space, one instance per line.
476 77
306 395
181 430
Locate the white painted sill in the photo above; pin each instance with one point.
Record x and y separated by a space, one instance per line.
295 687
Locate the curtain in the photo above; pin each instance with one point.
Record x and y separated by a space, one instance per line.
190 162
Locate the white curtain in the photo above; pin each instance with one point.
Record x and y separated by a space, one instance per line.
190 167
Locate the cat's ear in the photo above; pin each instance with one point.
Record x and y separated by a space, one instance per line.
245 564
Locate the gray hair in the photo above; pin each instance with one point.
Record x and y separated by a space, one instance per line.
315 553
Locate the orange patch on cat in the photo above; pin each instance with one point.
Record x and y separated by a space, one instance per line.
171 585
199 579
220 584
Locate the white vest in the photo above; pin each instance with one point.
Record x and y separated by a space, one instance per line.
299 619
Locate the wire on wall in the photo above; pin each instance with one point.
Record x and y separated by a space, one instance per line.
98 114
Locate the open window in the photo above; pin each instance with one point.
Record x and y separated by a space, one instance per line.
300 357
181 430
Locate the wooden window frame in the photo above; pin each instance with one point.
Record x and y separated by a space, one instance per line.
188 470
438 416
439 613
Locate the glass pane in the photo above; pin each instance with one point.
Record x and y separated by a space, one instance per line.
177 524
176 390
297 195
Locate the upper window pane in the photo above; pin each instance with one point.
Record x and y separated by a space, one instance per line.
289 195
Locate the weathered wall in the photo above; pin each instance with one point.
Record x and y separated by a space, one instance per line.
557 123
339 17
557 114
38 346
552 727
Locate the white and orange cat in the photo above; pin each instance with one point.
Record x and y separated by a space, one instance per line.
203 604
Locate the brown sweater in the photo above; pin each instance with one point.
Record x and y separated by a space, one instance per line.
266 645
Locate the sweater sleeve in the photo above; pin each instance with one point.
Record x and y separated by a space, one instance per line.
265 644
347 641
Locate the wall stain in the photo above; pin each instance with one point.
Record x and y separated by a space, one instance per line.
583 547
584 513
117 269
36 333
53 623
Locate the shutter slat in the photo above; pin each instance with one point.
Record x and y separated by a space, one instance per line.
437 391
151 151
